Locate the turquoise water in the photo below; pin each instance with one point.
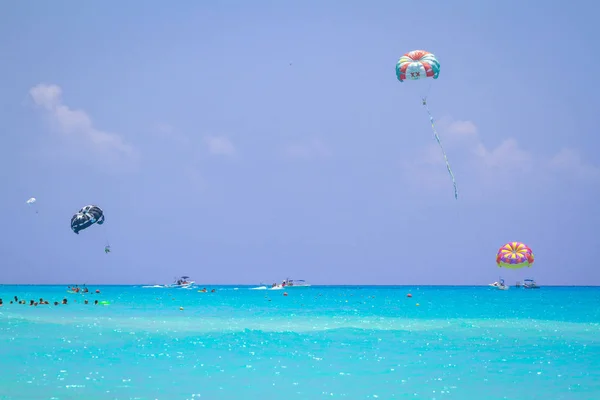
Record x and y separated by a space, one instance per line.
319 342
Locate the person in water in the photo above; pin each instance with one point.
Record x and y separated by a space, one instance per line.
106 249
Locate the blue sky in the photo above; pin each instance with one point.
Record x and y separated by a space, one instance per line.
212 156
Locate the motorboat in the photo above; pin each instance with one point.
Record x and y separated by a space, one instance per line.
290 283
499 285
530 284
184 282
295 283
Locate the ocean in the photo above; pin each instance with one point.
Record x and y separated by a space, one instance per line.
321 342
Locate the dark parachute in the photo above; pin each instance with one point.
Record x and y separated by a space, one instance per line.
86 217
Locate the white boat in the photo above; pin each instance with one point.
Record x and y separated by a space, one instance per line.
499 285
530 284
290 283
183 282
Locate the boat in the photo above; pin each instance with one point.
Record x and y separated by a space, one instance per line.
290 283
530 284
499 285
182 282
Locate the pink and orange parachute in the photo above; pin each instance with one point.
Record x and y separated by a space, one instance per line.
514 255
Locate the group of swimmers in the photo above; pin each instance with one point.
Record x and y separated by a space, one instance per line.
77 289
41 302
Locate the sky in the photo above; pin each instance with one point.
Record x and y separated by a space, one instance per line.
244 142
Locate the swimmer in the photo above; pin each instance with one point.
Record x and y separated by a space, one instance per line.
95 301
85 302
56 303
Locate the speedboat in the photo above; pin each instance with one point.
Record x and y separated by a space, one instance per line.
530 284
499 285
290 283
184 282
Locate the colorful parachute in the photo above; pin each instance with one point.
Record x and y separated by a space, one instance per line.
417 64
86 217
421 64
514 255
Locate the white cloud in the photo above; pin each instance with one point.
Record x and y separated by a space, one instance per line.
570 160
219 145
487 165
463 136
314 148
77 124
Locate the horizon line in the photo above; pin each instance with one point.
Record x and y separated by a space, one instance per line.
258 285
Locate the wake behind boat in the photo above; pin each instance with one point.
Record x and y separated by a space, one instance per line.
259 288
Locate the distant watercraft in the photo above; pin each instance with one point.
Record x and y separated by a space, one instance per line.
183 282
530 284
499 285
290 283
